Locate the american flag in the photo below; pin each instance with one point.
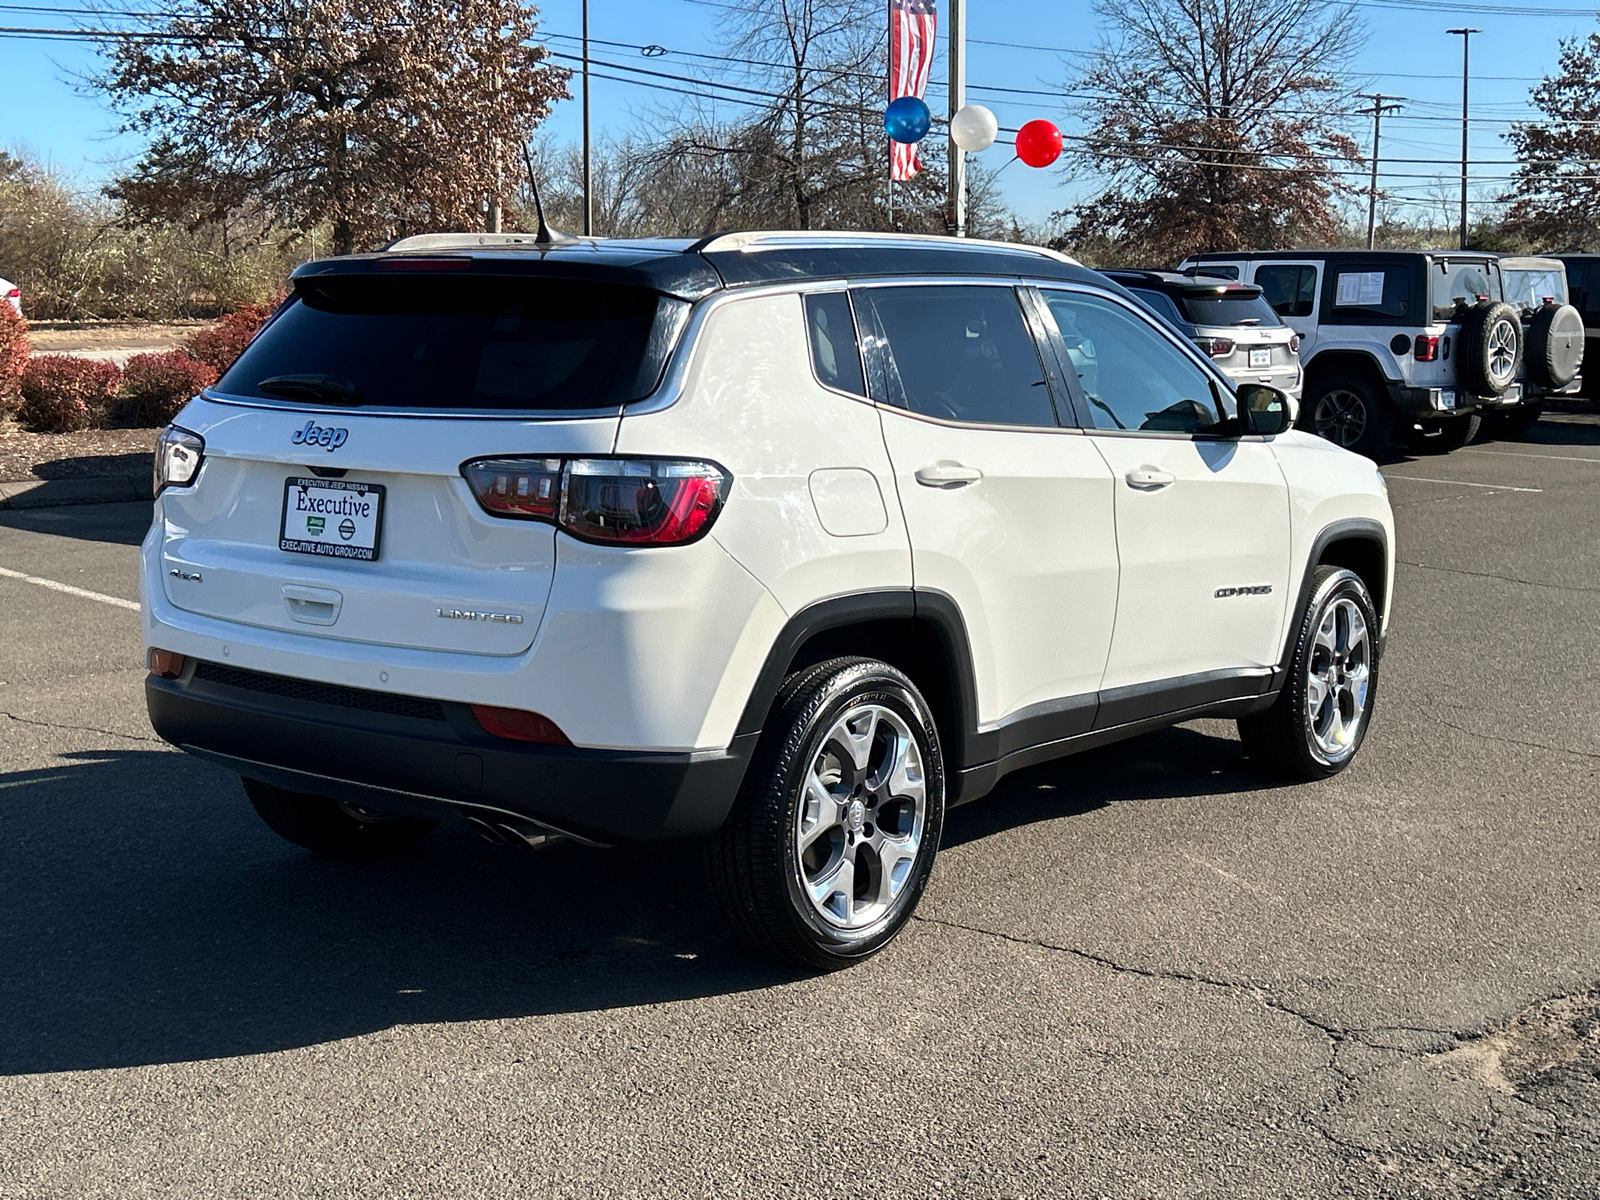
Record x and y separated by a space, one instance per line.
911 28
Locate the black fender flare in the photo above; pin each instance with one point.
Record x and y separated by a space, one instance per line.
1348 529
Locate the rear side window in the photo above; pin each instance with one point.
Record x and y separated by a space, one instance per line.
1367 293
1290 290
1578 284
461 342
835 354
962 354
1237 309
1161 304
1217 271
1455 286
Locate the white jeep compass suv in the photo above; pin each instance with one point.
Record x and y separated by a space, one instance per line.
783 542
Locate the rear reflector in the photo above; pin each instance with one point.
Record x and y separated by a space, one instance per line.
166 663
518 726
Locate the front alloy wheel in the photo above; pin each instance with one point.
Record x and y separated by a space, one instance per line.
833 836
1338 679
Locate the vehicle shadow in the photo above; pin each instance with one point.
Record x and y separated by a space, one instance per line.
123 524
146 915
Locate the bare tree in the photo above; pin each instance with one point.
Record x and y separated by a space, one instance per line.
1219 125
374 116
1555 199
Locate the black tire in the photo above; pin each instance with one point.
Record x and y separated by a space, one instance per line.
333 828
1489 353
1442 435
757 868
1285 738
1516 423
1555 343
1348 411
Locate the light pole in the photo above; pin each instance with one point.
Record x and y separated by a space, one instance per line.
1466 42
588 166
1378 109
958 98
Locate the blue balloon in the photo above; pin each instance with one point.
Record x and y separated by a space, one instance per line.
907 120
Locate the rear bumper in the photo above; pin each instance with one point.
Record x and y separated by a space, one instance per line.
1534 393
433 760
1447 401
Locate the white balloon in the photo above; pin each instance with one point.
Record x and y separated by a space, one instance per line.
974 128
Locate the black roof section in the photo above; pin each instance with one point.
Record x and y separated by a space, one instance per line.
1179 282
691 269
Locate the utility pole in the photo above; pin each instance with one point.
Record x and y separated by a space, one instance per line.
1466 41
958 99
588 149
1378 109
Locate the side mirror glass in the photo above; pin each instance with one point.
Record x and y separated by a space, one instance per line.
1263 410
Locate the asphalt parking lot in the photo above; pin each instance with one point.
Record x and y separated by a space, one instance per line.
1143 972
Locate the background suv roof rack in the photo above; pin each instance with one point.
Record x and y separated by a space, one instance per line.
750 241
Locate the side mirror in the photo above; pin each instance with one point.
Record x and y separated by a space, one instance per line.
1263 410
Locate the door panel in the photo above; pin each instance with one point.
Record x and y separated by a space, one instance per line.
1202 518
1009 514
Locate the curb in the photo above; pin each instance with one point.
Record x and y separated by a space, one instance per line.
53 493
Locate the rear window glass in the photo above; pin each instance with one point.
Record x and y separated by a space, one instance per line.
1371 290
1530 289
1455 286
454 342
1243 309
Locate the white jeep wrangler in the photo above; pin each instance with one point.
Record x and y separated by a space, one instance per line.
783 542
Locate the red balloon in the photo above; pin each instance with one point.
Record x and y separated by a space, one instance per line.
1038 143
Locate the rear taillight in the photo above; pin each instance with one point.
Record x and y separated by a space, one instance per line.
1216 347
518 726
1425 348
611 501
14 294
179 454
1294 344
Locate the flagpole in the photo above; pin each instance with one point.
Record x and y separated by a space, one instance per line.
958 99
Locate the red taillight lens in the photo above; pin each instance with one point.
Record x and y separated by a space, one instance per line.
1425 348
518 726
517 487
1294 344
1216 347
166 663
612 501
14 293
640 502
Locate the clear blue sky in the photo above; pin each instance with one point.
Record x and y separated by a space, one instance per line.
1407 54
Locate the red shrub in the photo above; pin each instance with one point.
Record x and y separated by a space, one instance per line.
218 346
160 384
61 394
13 357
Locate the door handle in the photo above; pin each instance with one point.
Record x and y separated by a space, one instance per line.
946 474
1150 479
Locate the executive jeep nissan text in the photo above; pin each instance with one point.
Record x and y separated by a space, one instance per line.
785 542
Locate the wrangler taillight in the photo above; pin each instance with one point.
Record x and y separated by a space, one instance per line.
610 501
1425 348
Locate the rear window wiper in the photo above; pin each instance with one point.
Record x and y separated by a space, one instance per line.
329 389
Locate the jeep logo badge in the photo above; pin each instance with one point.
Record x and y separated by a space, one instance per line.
320 435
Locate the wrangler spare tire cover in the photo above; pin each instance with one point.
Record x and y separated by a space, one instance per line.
1490 350
1555 345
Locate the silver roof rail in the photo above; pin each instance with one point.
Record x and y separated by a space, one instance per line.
473 241
753 241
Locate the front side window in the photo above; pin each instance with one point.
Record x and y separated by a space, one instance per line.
1456 285
1363 293
461 342
835 355
1133 378
962 354
1289 289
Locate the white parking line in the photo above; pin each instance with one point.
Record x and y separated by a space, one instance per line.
69 589
1494 487
1519 454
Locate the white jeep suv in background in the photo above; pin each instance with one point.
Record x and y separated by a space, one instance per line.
784 542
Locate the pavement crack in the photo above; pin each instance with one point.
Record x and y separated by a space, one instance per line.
1495 737
132 737
1559 587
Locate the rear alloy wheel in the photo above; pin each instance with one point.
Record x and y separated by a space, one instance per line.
1442 435
334 827
828 849
1319 719
1347 411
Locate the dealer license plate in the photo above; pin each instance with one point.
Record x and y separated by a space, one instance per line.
1261 357
339 518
